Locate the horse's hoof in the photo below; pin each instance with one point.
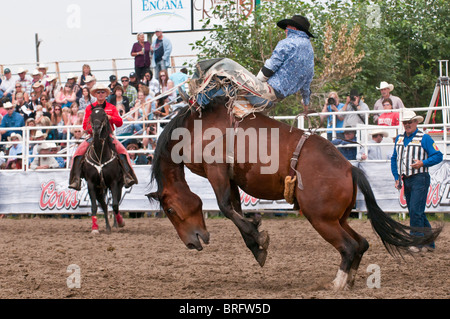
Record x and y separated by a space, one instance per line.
261 256
264 239
95 232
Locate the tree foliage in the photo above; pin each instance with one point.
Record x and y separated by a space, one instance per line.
358 44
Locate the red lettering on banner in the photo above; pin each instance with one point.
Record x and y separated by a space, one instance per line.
247 199
51 198
433 196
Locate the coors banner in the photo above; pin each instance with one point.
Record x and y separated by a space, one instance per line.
47 192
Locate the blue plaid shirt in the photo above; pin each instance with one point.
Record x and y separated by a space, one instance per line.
292 62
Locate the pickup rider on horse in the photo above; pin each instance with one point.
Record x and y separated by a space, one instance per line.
101 92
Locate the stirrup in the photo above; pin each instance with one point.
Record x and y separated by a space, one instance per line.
76 185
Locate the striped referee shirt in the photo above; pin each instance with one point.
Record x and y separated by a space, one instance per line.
417 146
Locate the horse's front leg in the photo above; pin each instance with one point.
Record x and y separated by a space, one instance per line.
259 253
116 192
226 195
94 207
101 197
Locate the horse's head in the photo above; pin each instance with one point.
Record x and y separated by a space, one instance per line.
99 122
184 210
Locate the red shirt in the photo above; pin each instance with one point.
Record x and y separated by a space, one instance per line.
110 109
389 119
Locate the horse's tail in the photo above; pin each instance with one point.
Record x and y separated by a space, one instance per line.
394 235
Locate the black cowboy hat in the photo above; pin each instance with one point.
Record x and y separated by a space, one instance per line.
297 21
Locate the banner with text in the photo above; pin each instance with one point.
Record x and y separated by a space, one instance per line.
47 192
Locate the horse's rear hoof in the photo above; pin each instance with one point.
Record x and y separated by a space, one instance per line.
122 224
264 239
95 232
261 256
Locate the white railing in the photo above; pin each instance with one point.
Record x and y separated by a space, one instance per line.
439 131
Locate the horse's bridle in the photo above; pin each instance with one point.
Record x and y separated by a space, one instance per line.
97 161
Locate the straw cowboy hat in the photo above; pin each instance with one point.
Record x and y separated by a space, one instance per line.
15 135
379 131
51 77
297 21
100 86
42 66
38 84
47 146
39 134
36 72
71 76
409 115
384 85
21 70
7 105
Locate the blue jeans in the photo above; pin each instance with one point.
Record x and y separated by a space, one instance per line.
416 192
205 97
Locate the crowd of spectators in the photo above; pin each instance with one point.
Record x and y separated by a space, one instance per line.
52 109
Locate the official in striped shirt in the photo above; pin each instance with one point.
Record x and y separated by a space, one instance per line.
414 153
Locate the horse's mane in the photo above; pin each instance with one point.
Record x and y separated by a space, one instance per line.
162 151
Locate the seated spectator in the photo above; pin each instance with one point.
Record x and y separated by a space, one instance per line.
60 119
51 87
46 104
10 119
136 159
7 85
47 161
86 98
180 77
38 90
85 73
24 80
51 133
112 84
349 139
75 141
19 89
31 122
72 83
165 84
129 91
332 105
389 119
134 80
385 90
66 96
118 99
374 151
151 82
15 149
73 114
21 107
34 147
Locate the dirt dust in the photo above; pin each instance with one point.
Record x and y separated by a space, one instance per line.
146 259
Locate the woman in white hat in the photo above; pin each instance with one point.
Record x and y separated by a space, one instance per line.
385 90
414 153
101 92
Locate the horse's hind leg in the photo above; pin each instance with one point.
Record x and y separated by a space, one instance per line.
259 253
116 193
363 245
336 235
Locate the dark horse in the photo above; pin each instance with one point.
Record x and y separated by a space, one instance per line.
327 197
102 170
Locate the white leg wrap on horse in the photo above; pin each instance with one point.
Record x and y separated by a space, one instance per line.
341 280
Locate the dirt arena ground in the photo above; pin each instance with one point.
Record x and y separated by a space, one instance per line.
146 259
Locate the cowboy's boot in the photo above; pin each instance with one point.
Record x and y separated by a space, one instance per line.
75 174
128 177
